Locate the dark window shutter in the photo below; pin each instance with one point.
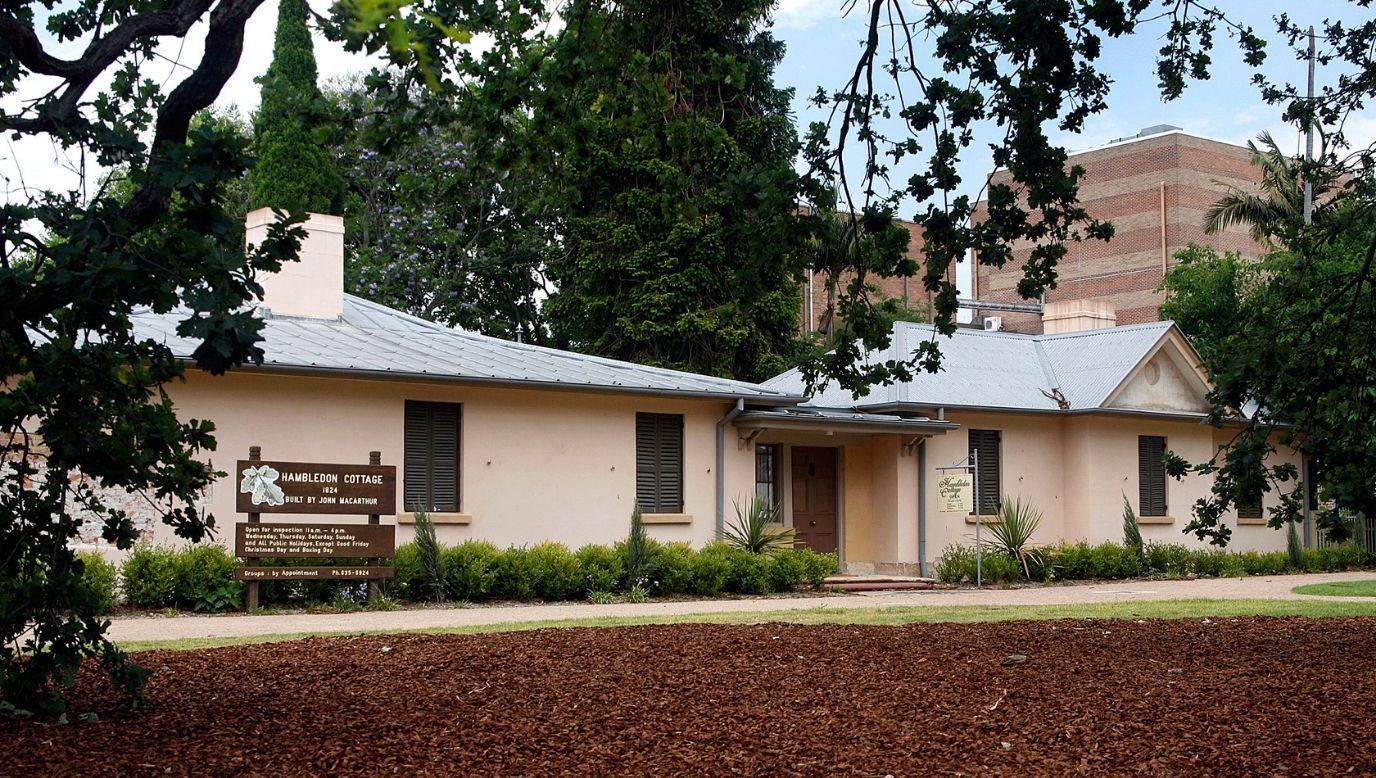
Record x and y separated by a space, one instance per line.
987 443
1249 506
1151 475
659 462
431 461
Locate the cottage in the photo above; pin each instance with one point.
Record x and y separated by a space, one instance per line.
516 444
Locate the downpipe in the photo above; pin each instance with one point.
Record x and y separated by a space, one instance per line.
730 416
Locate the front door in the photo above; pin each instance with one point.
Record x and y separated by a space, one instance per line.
814 497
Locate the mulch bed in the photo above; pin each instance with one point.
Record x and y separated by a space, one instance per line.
1234 696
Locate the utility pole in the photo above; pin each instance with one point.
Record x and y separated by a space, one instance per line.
1309 137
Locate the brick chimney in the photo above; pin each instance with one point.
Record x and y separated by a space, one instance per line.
313 286
1077 315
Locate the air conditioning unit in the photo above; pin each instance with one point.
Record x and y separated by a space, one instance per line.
993 323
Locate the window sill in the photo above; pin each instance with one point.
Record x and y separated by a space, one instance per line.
666 518
437 518
983 519
1155 519
1252 522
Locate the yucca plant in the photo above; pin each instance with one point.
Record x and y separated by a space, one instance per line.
753 529
431 579
1013 530
1132 531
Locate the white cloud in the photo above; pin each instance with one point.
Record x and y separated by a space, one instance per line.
802 14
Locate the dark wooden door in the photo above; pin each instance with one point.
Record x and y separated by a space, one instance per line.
814 497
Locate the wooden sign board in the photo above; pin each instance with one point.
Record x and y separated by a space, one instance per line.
312 487
955 493
312 573
314 540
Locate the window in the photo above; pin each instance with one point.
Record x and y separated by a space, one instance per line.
987 443
767 465
431 461
1151 475
1249 506
659 462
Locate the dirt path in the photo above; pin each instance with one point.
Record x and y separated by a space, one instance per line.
1232 697
234 625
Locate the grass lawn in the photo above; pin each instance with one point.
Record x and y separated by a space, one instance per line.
1340 589
881 616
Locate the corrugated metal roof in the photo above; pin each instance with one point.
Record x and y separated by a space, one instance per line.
374 339
1001 369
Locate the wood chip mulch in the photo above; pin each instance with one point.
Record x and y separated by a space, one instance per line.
1191 697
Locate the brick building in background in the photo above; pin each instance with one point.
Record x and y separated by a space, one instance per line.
814 310
1155 188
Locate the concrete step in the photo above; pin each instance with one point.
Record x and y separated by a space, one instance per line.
876 583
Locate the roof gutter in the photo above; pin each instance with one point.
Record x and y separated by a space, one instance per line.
730 416
306 371
767 420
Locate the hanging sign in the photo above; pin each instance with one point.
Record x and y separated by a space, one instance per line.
310 487
955 493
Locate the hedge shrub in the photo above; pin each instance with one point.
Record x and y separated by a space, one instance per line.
554 572
1105 561
602 568
470 570
672 566
711 569
100 580
149 576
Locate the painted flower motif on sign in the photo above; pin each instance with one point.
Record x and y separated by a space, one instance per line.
260 483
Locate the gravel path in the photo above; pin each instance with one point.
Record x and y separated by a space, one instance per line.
146 628
1245 696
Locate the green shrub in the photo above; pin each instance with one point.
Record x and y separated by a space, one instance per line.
1172 560
1083 562
515 578
99 579
711 569
787 569
956 564
1217 563
406 563
205 579
1011 535
1132 531
601 568
149 576
554 570
749 573
672 566
1294 549
818 567
1000 568
1256 563
471 570
1330 559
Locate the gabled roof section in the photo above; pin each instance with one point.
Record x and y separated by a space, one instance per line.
1007 371
371 340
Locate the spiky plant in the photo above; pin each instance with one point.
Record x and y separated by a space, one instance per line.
1132 531
430 582
1012 532
757 529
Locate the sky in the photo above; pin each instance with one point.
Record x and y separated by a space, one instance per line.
822 46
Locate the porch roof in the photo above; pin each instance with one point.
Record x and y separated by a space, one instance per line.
807 418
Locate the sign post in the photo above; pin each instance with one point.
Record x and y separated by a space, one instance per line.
960 494
314 488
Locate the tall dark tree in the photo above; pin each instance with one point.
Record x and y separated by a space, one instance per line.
294 171
671 187
436 224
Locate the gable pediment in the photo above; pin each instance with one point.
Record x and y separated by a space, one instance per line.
1166 380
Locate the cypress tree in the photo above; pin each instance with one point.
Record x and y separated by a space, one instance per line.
294 171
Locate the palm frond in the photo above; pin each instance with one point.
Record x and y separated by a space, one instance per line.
757 529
